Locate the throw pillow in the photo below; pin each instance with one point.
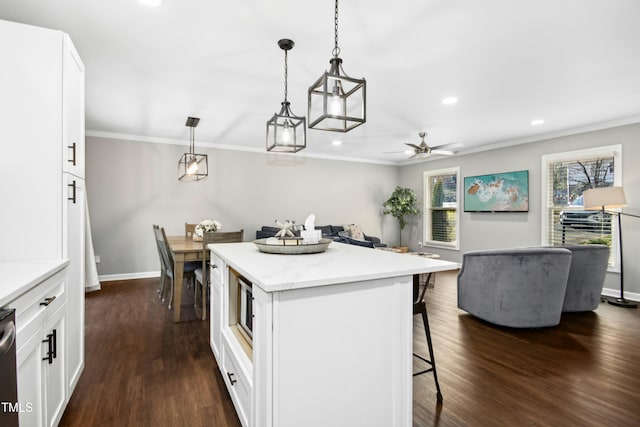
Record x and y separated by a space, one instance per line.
356 232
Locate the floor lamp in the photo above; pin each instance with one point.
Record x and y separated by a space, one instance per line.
611 198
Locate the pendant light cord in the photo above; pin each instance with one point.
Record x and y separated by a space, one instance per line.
336 49
192 147
286 74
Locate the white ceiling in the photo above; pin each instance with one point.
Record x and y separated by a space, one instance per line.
573 63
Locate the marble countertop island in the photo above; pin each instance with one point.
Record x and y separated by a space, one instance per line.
340 263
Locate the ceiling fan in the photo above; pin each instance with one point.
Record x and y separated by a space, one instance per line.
423 150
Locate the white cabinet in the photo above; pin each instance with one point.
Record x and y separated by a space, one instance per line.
237 378
43 168
74 251
216 305
55 386
73 158
31 380
40 350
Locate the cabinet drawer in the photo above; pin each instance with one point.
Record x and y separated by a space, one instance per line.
32 306
237 383
217 269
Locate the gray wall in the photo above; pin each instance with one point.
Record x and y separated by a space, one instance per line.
487 230
132 185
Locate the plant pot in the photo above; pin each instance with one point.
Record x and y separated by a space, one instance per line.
402 249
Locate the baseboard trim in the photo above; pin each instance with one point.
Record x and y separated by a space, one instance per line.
129 276
92 288
633 296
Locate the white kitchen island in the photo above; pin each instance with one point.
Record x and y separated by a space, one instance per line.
332 334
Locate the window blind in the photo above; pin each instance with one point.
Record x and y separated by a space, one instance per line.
443 204
568 222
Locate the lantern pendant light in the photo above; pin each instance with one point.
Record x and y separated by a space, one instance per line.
192 166
286 132
337 102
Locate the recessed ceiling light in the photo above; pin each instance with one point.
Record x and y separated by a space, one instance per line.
336 142
151 3
450 100
537 122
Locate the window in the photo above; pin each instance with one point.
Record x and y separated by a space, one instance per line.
565 177
441 210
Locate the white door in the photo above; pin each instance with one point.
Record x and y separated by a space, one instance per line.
74 250
73 144
30 381
54 366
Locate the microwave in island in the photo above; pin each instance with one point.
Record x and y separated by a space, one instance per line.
241 305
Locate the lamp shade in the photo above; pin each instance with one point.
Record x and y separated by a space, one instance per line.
337 102
192 166
286 132
606 197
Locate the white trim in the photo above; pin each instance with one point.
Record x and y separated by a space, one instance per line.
537 138
129 276
426 208
92 288
633 296
170 141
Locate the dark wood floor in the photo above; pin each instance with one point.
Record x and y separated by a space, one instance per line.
142 370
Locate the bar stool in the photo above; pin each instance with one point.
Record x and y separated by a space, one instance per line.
419 307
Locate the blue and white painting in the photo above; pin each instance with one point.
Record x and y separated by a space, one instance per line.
500 192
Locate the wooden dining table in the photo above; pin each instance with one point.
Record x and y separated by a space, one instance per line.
183 249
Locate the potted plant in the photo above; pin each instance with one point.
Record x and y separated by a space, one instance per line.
402 203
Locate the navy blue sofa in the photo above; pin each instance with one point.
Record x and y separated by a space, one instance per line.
329 232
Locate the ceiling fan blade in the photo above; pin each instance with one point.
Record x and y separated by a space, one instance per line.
412 145
443 152
393 152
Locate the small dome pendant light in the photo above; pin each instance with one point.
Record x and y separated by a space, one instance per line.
192 166
286 132
337 102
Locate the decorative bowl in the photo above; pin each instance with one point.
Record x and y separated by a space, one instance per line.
283 249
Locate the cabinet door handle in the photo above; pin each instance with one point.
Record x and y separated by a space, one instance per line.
73 191
72 160
230 375
49 357
48 301
54 338
214 266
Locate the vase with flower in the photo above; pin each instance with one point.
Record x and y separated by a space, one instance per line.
205 226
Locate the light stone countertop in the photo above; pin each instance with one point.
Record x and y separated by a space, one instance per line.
18 277
340 263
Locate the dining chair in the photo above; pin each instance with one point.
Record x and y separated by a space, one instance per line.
163 270
189 230
167 261
166 268
202 274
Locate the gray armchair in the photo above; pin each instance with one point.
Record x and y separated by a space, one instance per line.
519 288
586 277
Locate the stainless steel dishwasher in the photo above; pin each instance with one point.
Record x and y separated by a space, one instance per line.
9 407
